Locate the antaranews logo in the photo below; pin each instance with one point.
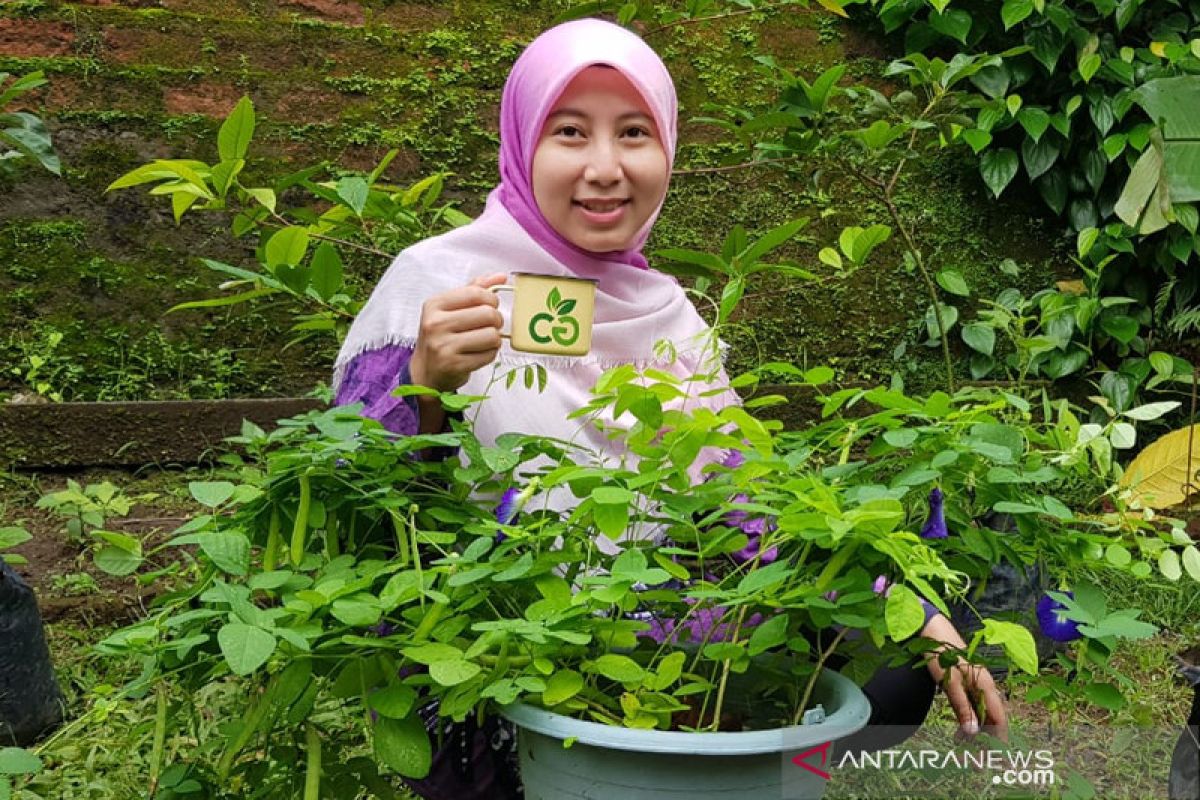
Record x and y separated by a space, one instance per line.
1011 767
564 329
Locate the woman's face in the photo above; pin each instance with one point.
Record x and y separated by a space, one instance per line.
599 170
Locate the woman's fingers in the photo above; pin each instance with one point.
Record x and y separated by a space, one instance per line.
960 702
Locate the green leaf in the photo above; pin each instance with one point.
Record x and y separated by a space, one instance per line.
1191 562
228 550
265 197
453 672
211 493
980 337
1017 642
977 139
12 536
1105 695
767 635
562 685
955 23
233 139
117 560
1039 156
358 610
1086 240
1168 565
1014 11
1034 120
403 745
394 702
15 761
245 647
354 191
952 281
327 273
903 614
287 247
998 168
1088 66
621 669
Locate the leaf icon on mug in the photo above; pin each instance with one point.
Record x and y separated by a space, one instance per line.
563 328
554 299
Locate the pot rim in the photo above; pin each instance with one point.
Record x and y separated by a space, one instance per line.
852 713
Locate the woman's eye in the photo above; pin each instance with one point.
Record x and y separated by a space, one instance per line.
568 130
637 133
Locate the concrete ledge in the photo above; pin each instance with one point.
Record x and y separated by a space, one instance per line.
79 435
74 435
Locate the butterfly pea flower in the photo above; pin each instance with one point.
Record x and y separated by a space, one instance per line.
935 524
1052 622
382 629
881 585
831 595
511 504
754 530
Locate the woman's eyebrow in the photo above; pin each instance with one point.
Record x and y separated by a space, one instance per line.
574 112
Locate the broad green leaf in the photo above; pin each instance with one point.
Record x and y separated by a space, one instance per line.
562 685
245 647
403 745
903 614
998 168
211 493
394 702
228 550
619 668
354 191
327 273
453 672
117 560
979 337
1168 565
1017 642
233 139
287 247
1014 11
952 281
16 761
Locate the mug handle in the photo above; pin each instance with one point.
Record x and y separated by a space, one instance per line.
503 287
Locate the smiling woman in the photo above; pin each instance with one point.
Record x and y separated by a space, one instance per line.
600 171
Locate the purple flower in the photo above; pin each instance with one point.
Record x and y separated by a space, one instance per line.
382 629
701 625
754 529
506 512
935 525
1053 624
831 595
511 504
733 459
881 585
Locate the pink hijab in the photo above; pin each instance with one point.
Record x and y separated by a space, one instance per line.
637 309
537 79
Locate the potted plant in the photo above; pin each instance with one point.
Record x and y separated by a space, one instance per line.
351 582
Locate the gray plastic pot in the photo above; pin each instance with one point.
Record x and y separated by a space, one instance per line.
606 762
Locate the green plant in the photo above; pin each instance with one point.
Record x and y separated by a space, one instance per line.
87 507
23 135
299 250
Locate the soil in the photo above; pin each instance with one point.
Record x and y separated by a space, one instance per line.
52 558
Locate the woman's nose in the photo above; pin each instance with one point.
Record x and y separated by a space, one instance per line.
603 163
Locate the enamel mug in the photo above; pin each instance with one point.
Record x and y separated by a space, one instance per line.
550 313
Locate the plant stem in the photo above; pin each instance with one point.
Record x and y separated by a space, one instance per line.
160 737
312 772
300 528
834 566
274 541
812 682
716 723
732 167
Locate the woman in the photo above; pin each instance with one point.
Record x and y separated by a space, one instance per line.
587 141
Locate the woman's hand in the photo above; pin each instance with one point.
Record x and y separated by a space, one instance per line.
459 333
966 684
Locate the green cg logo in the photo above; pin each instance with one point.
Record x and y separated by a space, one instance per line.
557 325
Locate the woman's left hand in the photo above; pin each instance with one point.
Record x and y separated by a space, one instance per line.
966 684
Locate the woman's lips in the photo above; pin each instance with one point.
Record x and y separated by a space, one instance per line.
601 217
